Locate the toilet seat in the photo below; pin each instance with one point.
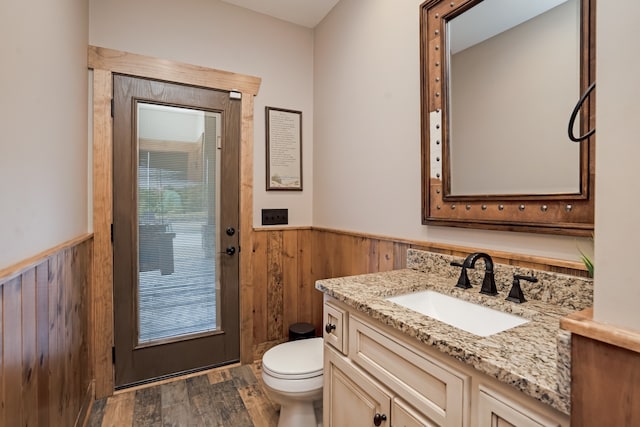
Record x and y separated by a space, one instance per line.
294 360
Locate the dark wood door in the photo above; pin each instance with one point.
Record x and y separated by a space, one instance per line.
175 229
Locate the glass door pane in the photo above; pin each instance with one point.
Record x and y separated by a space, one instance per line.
178 176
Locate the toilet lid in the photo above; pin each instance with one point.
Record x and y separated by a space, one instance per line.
294 359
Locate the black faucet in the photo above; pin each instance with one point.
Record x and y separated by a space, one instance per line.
463 280
515 294
488 283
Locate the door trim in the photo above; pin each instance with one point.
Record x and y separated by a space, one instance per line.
104 62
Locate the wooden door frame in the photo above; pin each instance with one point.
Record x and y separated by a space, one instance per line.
104 62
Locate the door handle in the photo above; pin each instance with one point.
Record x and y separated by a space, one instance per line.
230 250
378 419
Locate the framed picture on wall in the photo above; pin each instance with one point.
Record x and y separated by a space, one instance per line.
284 149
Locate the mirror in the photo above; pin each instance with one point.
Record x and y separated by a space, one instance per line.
495 110
499 81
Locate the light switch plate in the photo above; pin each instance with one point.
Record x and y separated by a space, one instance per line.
275 216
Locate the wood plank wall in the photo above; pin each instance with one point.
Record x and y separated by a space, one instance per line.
605 372
605 384
45 376
287 262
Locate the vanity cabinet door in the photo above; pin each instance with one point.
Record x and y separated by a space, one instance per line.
437 390
351 398
496 410
403 415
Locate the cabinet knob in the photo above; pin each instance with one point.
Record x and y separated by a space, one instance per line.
329 327
378 419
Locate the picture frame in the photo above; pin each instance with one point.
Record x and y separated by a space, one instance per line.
284 149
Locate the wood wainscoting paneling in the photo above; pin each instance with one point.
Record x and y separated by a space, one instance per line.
283 292
287 262
605 384
45 374
605 372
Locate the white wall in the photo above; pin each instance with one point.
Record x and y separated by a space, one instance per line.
43 120
218 35
617 235
367 133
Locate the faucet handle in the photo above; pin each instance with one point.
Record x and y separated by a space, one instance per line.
515 294
463 280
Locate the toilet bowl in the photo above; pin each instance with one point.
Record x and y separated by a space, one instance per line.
292 374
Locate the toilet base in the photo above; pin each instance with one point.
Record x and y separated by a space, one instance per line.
297 409
298 414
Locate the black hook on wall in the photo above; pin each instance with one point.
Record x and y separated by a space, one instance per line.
575 113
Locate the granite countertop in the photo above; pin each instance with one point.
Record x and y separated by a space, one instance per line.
534 357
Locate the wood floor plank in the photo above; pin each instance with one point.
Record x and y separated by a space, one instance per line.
178 415
267 405
243 376
97 413
263 412
231 396
119 410
230 406
173 393
203 405
176 409
197 385
147 409
219 376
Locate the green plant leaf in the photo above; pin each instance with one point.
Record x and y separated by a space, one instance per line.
587 262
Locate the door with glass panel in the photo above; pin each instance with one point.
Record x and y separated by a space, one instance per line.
175 229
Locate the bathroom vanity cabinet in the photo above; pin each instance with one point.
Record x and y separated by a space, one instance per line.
377 376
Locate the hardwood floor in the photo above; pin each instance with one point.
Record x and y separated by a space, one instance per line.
224 397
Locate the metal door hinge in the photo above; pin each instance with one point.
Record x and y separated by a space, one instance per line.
112 107
111 233
113 355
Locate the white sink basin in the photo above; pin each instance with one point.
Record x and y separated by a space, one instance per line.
470 317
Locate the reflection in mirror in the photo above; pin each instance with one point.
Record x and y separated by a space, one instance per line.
514 76
495 110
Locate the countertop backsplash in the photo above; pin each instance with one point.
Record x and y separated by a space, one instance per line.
567 291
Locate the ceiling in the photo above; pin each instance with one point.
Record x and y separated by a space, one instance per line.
489 18
307 13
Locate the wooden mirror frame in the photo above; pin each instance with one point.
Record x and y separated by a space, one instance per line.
569 214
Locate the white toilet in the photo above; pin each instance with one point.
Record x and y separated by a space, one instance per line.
292 373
